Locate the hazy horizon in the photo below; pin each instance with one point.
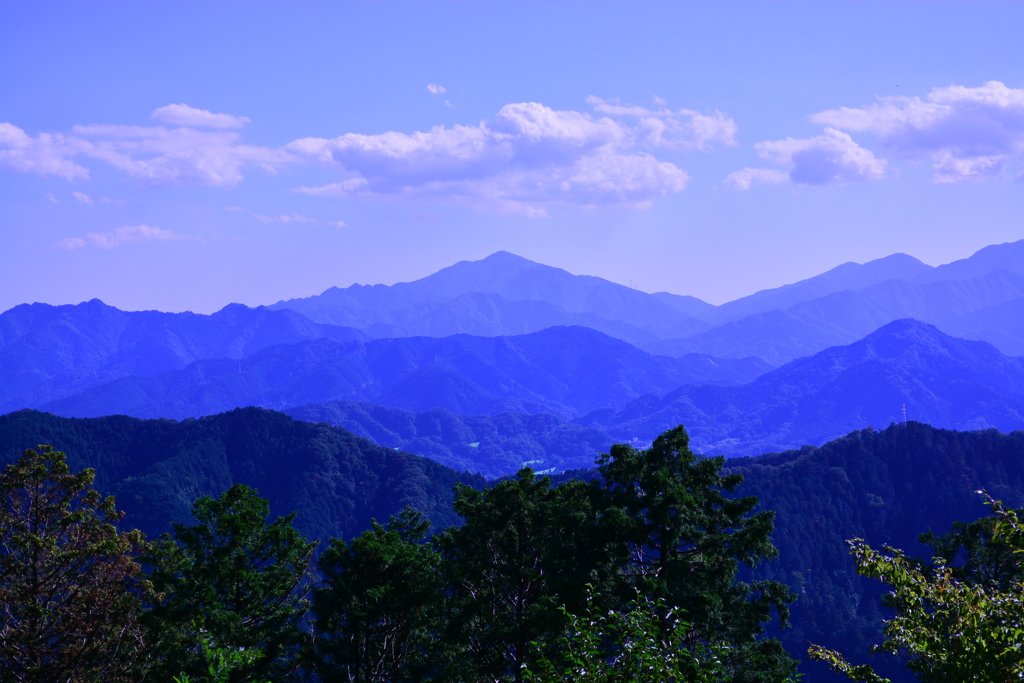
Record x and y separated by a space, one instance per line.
185 156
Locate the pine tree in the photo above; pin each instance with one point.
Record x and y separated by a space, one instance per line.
684 535
71 588
232 582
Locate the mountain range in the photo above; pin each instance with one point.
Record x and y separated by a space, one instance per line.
780 368
904 369
48 352
504 294
567 371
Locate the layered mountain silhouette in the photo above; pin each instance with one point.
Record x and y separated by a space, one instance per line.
563 370
779 336
906 366
505 294
48 352
501 295
699 364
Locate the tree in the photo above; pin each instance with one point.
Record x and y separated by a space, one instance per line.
525 550
71 589
950 624
378 607
683 538
627 646
232 582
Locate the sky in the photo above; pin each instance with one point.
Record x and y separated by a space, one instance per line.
186 155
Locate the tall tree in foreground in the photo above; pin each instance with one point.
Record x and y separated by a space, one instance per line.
378 608
525 550
952 623
71 589
232 582
631 645
684 537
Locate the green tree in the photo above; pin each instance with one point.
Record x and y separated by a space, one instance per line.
232 582
71 589
525 550
950 624
684 537
627 646
379 604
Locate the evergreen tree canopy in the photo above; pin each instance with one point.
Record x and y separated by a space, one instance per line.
378 608
71 589
233 581
685 536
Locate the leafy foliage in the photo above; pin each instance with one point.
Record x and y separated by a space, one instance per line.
631 645
71 588
947 629
525 549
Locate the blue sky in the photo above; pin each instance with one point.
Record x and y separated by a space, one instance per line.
184 155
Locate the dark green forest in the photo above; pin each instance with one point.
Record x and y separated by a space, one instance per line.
519 579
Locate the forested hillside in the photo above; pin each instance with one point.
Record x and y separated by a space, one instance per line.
335 481
885 486
493 445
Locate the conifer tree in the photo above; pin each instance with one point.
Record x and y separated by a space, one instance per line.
378 608
232 582
684 536
71 589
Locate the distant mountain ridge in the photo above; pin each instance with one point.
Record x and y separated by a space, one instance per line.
505 294
48 352
944 381
506 282
563 370
969 297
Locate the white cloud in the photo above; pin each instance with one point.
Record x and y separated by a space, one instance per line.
184 115
156 155
528 155
129 234
832 157
296 218
965 132
524 157
436 89
284 218
745 178
45 154
680 129
52 197
82 197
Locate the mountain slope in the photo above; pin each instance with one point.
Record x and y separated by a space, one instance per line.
947 382
566 371
47 352
848 276
843 317
494 445
406 308
334 481
886 487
